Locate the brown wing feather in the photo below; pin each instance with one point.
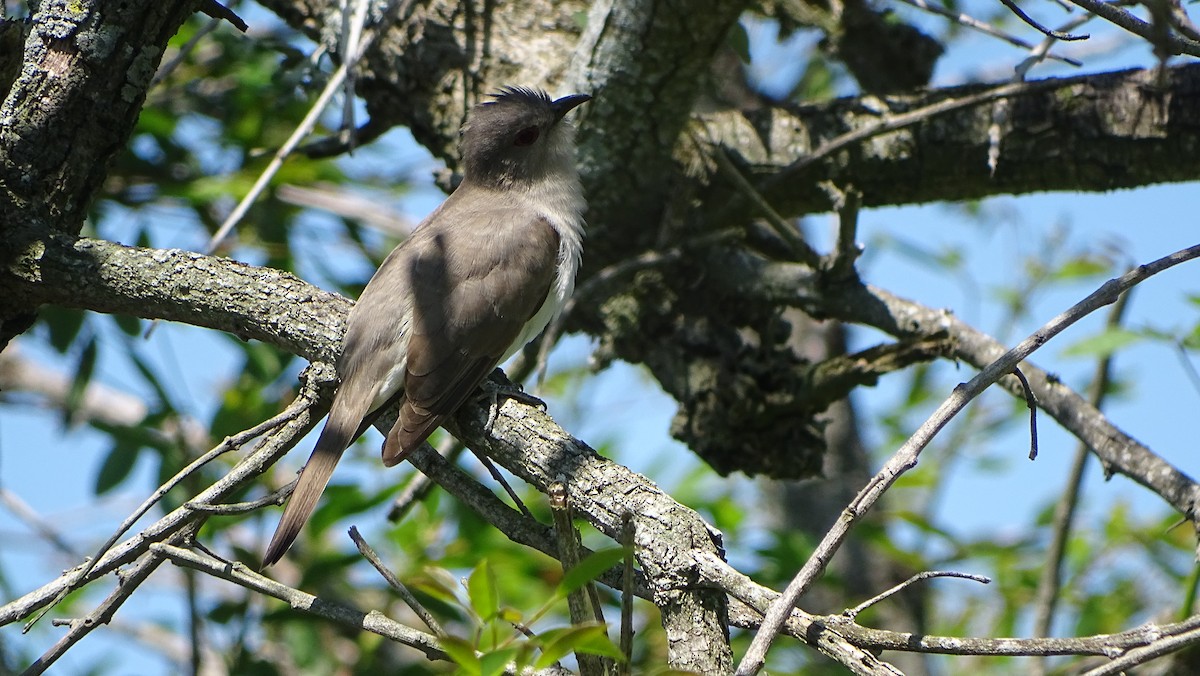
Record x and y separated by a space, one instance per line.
474 289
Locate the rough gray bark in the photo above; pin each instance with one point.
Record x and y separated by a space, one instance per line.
82 81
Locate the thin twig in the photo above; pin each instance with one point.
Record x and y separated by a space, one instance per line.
21 509
81 627
515 526
419 485
982 27
303 129
627 593
395 583
373 621
1142 655
1063 521
230 443
1057 35
926 575
495 473
313 379
1031 402
816 629
845 203
583 604
227 509
906 457
786 231
1186 364
219 11
353 19
1173 44
1042 51
169 67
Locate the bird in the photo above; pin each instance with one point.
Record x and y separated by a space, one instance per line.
476 280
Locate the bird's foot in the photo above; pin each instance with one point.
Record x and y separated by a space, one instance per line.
493 392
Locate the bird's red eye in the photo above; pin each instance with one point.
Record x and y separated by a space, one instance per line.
527 136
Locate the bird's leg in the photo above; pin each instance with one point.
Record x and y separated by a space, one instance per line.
493 391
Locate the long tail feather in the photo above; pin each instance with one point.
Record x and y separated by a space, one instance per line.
339 432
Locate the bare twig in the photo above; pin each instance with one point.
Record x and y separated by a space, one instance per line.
627 593
1063 521
21 509
219 11
301 403
584 603
419 485
845 203
1186 364
226 509
169 67
906 457
81 627
395 583
786 231
373 621
1163 646
515 526
249 468
353 18
1057 35
1173 44
852 613
340 75
1031 403
303 129
982 27
495 474
1042 51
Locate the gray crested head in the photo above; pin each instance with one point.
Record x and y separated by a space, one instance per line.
519 138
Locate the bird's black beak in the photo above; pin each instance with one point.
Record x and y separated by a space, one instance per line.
565 104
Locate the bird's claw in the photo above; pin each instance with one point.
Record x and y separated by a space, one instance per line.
493 392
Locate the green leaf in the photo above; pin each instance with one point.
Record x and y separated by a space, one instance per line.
63 325
1192 340
590 568
584 638
129 325
495 662
463 654
1102 344
1082 267
481 588
739 41
117 465
152 379
83 375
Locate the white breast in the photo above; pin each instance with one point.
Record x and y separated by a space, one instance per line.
560 201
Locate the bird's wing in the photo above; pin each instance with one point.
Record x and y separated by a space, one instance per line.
476 283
